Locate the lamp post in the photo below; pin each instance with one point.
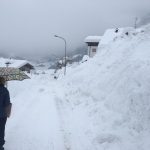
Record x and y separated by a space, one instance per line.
65 50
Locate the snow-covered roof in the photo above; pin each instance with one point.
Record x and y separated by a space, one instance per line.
92 39
13 62
19 63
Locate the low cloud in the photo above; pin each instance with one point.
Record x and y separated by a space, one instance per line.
28 26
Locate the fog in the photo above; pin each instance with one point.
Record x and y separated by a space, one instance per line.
27 27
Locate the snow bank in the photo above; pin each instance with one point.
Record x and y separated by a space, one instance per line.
112 34
106 102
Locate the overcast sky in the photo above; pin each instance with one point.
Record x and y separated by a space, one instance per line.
29 26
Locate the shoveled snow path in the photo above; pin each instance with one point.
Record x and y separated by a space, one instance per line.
35 123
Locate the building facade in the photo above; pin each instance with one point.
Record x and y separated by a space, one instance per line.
92 43
26 67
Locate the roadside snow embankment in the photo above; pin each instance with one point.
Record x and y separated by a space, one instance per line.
107 99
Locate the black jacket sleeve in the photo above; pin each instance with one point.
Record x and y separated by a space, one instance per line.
7 98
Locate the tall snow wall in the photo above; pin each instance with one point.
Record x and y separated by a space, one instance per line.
109 95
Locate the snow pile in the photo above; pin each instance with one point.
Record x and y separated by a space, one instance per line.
106 105
112 34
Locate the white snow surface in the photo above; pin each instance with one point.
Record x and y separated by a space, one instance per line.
110 35
13 62
102 104
92 39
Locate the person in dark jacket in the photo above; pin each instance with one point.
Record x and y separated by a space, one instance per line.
4 105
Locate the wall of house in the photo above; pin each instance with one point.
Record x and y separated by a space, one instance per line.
26 67
92 50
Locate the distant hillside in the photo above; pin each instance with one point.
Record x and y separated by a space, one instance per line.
82 50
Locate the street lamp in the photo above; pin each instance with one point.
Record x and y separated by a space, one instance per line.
65 50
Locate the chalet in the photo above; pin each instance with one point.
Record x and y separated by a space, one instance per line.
23 65
92 42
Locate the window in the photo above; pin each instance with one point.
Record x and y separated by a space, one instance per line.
94 50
